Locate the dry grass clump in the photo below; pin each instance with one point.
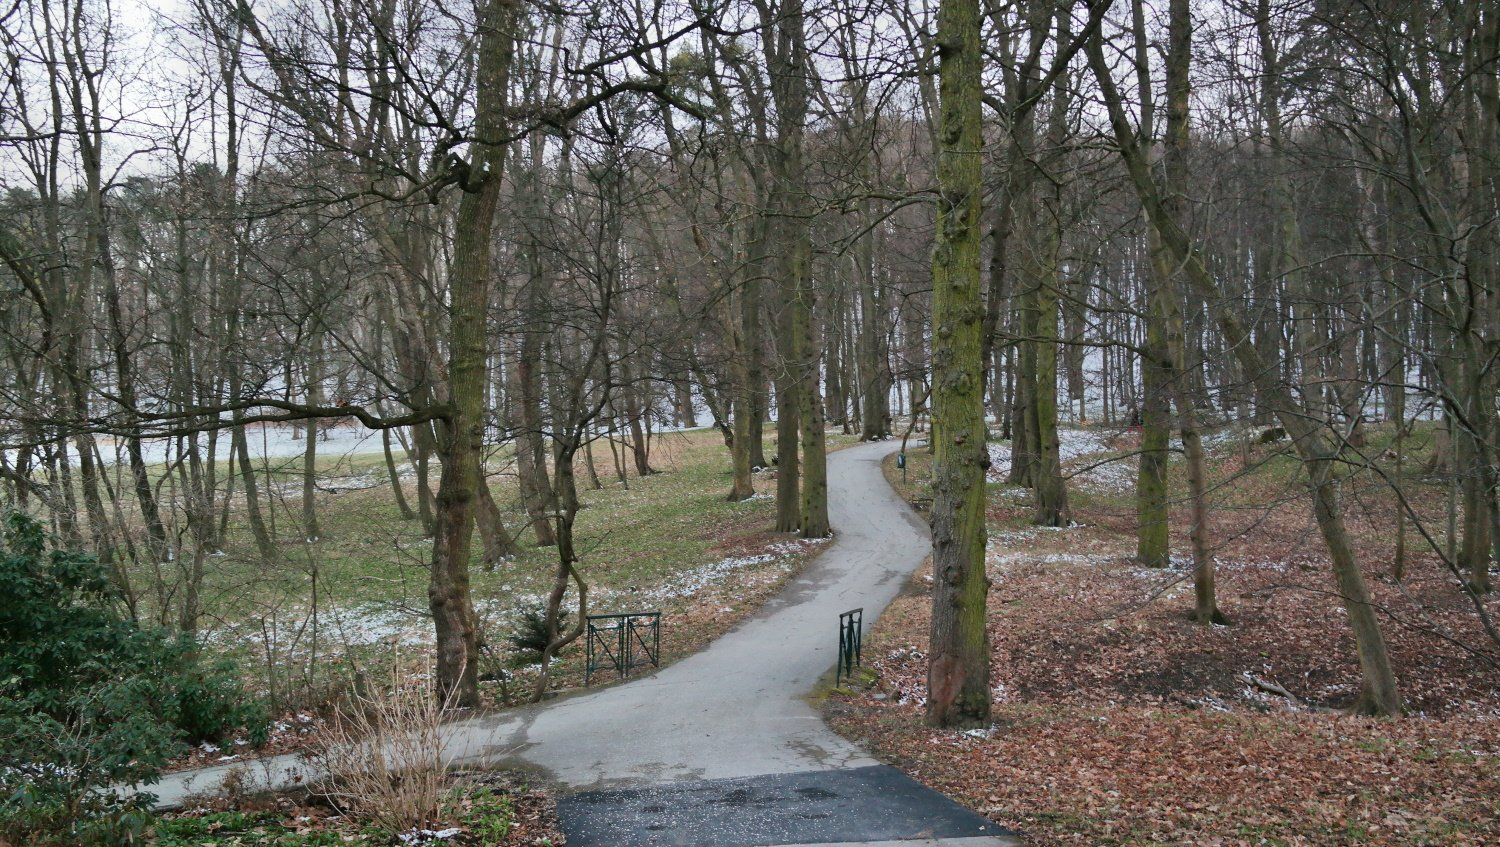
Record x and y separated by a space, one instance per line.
383 755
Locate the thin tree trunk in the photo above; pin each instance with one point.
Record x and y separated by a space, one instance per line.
743 411
1153 527
397 490
241 445
1050 487
498 544
311 531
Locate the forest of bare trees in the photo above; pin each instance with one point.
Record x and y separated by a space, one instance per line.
502 232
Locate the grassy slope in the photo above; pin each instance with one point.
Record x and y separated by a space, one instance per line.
368 554
669 541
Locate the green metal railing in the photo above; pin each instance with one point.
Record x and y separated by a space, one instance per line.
622 643
851 642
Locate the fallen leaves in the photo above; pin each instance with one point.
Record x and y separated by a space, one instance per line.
1119 721
1143 775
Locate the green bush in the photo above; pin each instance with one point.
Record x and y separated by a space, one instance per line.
529 637
89 699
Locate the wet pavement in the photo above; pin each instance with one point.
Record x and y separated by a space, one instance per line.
869 804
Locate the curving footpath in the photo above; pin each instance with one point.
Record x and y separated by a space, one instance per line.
723 748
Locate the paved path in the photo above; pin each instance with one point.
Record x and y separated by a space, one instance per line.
736 710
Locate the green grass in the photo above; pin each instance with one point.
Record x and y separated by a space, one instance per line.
371 566
485 816
490 815
661 525
249 829
915 484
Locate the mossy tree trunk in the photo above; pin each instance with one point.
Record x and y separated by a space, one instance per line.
457 631
802 487
789 87
959 658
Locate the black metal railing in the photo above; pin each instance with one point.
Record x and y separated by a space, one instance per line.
622 643
851 638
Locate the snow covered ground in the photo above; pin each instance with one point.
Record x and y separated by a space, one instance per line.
264 442
1087 460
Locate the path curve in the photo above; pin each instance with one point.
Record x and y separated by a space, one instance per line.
739 708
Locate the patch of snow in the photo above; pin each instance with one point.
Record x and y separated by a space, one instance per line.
426 836
693 581
1213 703
1097 469
1219 438
1108 476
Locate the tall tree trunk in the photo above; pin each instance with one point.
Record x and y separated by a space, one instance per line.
125 375
1023 441
789 69
788 403
958 678
1152 512
1153 530
456 629
1165 309
874 358
1050 487
814 520
752 325
1051 491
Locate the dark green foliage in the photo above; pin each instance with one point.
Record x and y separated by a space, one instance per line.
1271 435
529 638
90 699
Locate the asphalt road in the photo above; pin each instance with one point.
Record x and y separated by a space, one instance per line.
736 711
